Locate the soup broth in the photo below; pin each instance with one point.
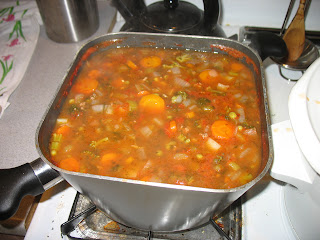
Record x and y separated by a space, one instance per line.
161 115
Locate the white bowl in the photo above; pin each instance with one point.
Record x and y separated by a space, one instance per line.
304 111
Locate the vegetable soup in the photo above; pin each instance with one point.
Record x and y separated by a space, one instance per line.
161 115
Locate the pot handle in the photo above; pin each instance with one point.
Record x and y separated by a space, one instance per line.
28 179
268 44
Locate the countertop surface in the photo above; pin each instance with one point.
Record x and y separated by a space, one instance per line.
47 67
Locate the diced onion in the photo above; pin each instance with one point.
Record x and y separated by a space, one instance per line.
244 98
186 102
98 108
180 156
242 116
78 98
156 74
250 132
146 131
245 152
181 82
158 121
99 92
234 166
222 87
212 144
192 107
62 120
142 154
175 70
237 95
109 109
138 87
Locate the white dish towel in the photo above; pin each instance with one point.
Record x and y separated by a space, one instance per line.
19 32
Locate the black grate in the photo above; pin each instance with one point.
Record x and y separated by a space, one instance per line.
96 225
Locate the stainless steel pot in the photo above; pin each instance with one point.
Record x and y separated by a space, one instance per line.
68 21
142 205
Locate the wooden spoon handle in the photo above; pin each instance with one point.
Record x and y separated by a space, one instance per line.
294 37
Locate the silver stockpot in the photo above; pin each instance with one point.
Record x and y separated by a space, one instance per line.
69 21
142 205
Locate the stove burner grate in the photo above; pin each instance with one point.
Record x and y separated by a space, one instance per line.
87 222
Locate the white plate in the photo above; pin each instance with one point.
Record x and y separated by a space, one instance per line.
304 111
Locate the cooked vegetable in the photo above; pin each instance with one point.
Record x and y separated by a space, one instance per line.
132 65
179 97
236 67
222 129
70 164
86 85
171 116
152 104
209 76
150 62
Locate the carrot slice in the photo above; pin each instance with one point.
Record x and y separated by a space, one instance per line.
64 130
209 76
150 62
86 85
142 93
223 129
118 83
108 158
171 129
132 65
152 104
237 67
70 164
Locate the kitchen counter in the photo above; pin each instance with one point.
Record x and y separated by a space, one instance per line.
48 65
18 125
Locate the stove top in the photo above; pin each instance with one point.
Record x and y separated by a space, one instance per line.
96 225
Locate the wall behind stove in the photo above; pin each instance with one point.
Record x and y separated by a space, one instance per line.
263 13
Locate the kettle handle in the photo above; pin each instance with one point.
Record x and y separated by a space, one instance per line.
211 12
28 179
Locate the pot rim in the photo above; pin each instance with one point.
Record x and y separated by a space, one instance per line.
221 47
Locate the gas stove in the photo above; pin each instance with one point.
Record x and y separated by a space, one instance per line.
258 214
261 208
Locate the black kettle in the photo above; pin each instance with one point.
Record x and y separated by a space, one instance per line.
170 16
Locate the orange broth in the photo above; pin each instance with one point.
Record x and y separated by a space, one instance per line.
170 116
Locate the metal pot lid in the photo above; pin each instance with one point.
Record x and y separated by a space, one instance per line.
171 16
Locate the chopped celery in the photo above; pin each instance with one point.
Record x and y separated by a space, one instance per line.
132 105
94 144
54 146
91 154
53 152
56 137
55 143
183 58
234 166
174 64
233 74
